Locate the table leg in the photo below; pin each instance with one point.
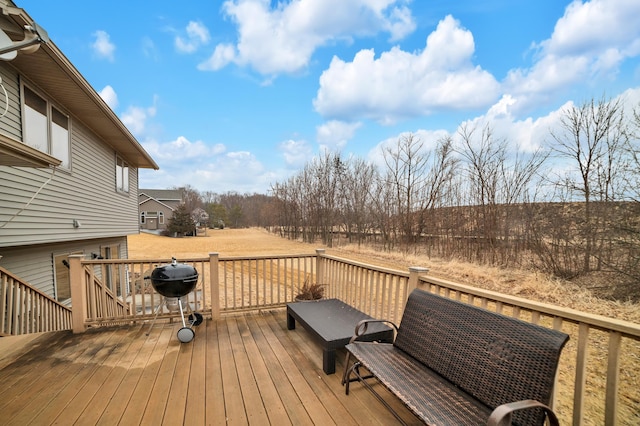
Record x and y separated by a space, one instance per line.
329 361
291 322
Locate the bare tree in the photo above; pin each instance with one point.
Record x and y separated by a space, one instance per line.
354 198
591 138
190 198
406 172
498 177
484 158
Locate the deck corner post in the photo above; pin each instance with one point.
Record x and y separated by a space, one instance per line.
78 294
414 274
214 286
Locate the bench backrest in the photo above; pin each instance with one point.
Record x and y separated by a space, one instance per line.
495 358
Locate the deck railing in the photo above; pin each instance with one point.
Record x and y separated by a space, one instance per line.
25 309
599 374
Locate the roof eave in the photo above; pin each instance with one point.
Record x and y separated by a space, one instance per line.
53 72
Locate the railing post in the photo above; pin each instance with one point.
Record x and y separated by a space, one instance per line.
214 285
414 274
320 271
78 294
320 266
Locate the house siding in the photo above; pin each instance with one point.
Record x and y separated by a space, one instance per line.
10 123
41 205
151 205
69 194
35 264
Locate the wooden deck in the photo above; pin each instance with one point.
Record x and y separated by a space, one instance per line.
245 369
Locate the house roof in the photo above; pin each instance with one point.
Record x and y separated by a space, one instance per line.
153 200
162 194
53 72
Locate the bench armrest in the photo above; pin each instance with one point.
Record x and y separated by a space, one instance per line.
501 416
363 325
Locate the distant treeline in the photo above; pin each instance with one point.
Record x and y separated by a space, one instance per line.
569 207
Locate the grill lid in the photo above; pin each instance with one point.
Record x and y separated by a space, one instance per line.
174 280
174 272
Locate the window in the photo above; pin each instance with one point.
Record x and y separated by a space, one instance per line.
46 128
122 175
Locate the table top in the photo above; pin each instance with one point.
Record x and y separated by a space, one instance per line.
334 321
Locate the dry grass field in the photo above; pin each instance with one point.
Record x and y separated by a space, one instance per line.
526 284
255 241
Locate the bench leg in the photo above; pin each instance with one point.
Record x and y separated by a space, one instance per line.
329 361
355 369
345 376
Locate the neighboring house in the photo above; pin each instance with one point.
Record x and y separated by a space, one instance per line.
68 165
156 207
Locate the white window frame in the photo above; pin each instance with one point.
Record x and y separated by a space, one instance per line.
46 127
122 175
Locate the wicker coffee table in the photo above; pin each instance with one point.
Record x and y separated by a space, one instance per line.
332 322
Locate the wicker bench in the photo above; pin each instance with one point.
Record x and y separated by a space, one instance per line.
456 364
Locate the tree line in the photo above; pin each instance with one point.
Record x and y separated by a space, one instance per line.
230 209
570 207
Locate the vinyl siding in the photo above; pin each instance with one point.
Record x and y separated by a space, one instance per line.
35 264
86 193
151 205
10 123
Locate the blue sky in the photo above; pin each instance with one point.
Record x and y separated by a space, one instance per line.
238 95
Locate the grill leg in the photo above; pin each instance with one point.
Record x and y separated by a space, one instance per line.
155 317
184 324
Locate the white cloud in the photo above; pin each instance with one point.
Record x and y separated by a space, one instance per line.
529 134
590 41
135 118
237 171
334 135
197 35
296 153
182 150
149 48
282 38
109 96
400 84
521 134
401 24
205 167
102 46
222 55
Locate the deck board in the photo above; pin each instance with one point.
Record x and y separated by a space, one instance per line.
194 413
214 403
268 394
238 370
272 352
90 402
90 375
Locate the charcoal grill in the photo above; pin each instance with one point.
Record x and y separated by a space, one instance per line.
174 282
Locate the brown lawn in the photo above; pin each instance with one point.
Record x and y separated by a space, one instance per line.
256 241
226 242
